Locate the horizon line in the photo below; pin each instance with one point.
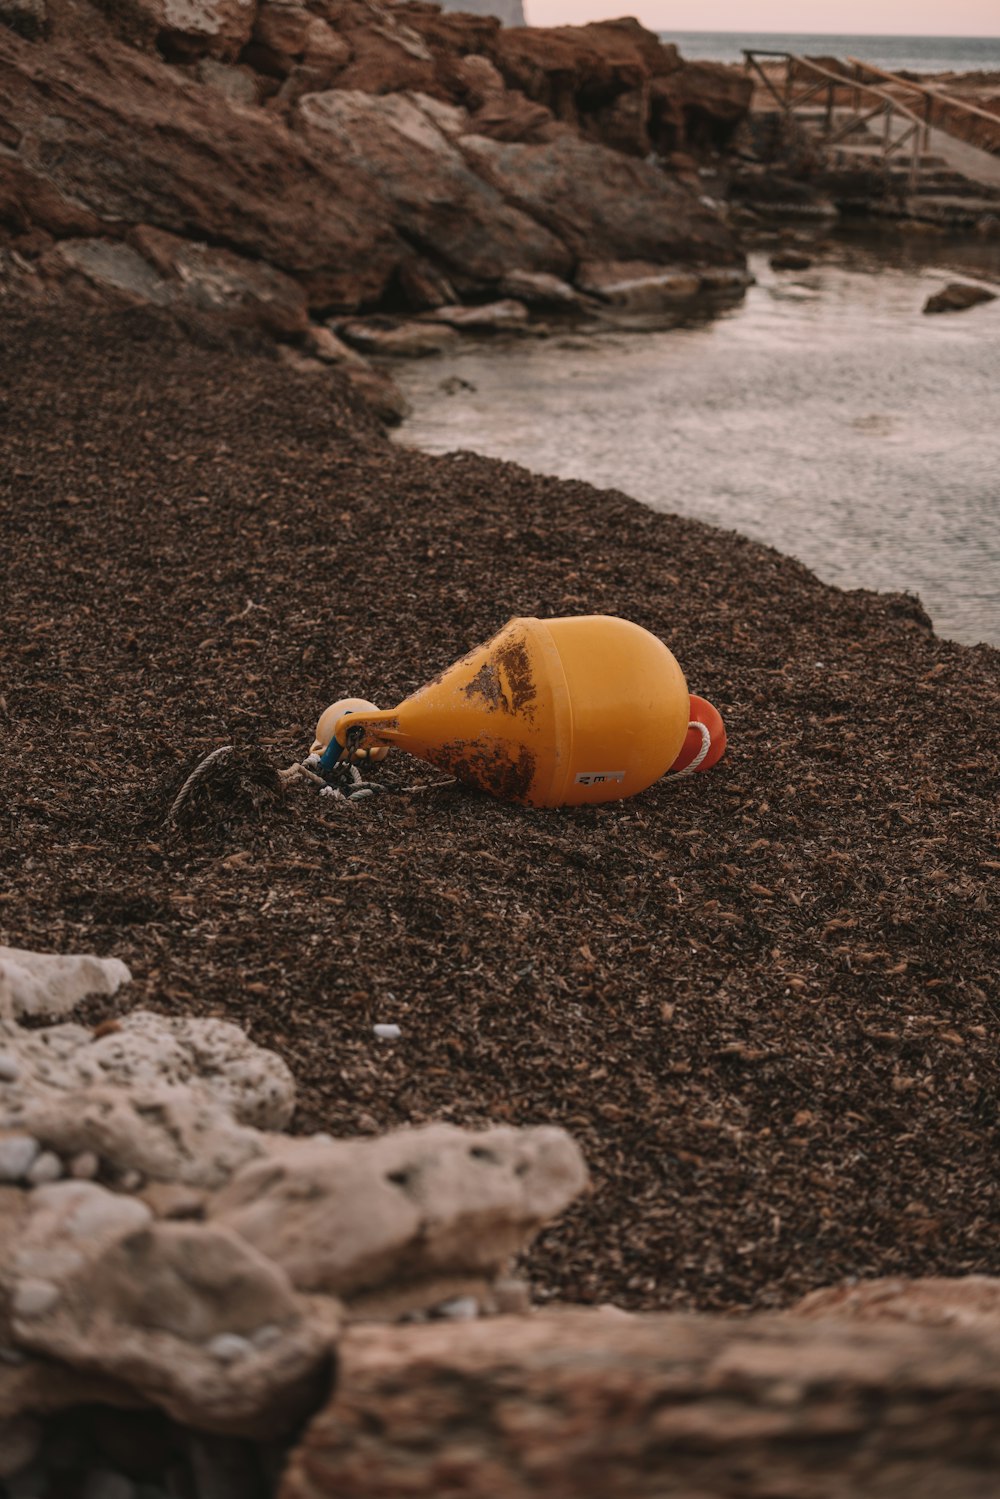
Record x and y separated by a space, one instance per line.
932 36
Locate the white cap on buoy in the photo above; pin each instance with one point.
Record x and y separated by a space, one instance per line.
328 722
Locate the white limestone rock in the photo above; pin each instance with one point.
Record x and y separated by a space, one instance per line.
172 1098
162 1133
34 983
171 1310
406 1220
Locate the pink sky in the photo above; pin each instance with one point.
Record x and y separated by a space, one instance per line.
871 17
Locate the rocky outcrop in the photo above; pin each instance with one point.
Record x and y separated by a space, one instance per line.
589 1404
188 1317
615 82
270 164
161 1245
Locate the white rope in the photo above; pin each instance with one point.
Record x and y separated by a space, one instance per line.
194 778
706 745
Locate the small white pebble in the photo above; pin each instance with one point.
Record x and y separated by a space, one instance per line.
10 1067
33 1298
85 1166
459 1309
387 1032
130 1181
266 1336
17 1155
227 1347
45 1168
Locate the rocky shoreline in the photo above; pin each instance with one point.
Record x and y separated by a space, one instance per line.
393 1082
364 182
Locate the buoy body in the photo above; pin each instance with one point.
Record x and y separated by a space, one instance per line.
549 713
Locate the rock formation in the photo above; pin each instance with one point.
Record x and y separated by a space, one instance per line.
585 1404
162 1246
274 164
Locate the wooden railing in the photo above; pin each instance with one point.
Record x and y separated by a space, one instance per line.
965 121
805 81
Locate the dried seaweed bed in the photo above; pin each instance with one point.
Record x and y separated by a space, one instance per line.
765 1001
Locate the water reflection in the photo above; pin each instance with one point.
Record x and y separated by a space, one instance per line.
825 415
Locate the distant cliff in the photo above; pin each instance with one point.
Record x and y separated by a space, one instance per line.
507 12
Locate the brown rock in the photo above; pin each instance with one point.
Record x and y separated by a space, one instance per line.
540 291
139 144
405 148
246 292
382 187
698 105
238 85
971 1301
393 338
603 205
379 393
637 285
790 260
186 29
509 116
286 35
575 69
957 297
29 18
491 317
580 1405
477 79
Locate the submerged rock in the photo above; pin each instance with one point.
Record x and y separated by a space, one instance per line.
958 297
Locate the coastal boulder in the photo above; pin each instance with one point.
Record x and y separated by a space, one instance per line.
697 106
412 1218
601 204
188 1317
958 296
185 29
290 36
407 147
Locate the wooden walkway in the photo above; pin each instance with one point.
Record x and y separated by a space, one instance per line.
858 114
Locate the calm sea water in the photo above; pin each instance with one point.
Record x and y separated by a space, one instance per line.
825 415
917 54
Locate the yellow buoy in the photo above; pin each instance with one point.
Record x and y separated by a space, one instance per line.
551 713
